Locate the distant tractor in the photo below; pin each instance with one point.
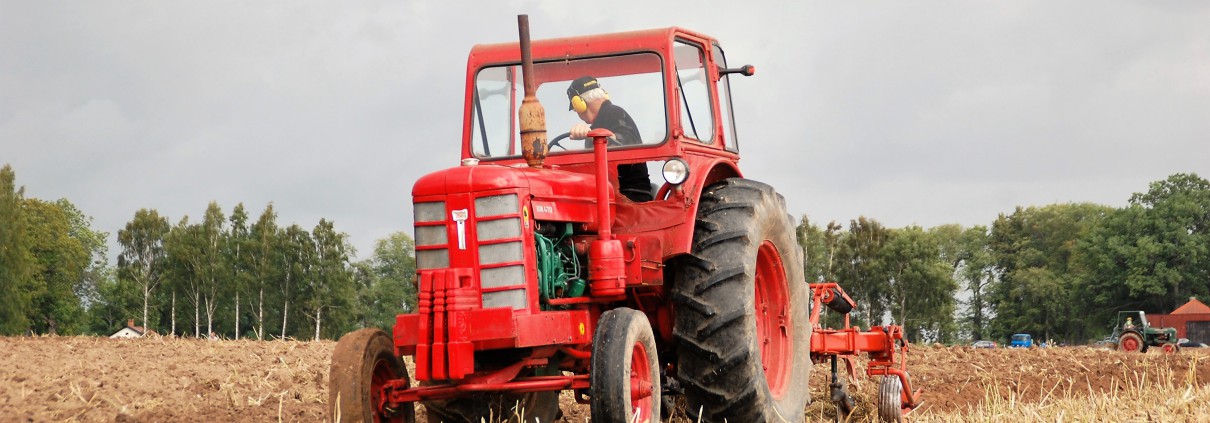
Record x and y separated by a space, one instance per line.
1134 334
1021 340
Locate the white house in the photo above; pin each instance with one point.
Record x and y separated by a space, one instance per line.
130 331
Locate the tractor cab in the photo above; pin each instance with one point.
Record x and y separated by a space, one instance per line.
672 82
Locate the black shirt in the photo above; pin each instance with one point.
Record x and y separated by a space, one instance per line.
633 179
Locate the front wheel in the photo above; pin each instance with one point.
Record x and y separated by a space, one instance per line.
741 309
625 369
362 363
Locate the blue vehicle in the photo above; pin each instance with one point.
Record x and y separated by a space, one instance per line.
1021 340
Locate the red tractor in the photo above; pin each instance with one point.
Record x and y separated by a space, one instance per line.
536 274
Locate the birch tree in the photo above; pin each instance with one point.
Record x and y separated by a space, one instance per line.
262 255
142 256
236 255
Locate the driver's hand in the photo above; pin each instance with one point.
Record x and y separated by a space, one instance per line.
579 131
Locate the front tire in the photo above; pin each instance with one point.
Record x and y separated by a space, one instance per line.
364 361
741 318
625 369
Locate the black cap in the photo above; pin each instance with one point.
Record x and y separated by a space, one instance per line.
580 86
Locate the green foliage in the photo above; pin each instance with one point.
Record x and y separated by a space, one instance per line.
60 261
386 281
142 258
857 269
1154 254
1057 271
820 248
50 261
1035 255
329 282
263 270
16 263
919 284
901 274
116 300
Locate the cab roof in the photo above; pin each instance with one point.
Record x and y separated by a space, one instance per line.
584 46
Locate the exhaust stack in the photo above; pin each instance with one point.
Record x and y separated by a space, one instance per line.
531 115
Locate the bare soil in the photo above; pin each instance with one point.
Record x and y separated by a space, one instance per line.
170 379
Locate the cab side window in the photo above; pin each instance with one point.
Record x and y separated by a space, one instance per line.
693 88
724 102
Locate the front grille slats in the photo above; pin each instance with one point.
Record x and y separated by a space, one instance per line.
497 240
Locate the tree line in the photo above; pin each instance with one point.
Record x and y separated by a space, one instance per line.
220 275
1059 271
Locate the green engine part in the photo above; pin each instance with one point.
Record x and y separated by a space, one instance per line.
558 266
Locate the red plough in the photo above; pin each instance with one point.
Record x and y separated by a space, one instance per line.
885 345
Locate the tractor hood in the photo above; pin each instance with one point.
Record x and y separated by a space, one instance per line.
553 184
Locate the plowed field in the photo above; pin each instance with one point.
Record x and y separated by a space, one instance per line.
163 379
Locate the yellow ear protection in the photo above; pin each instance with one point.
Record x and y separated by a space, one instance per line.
578 104
579 86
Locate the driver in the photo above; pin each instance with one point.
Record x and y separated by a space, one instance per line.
592 104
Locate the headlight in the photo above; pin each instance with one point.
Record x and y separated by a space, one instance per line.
676 171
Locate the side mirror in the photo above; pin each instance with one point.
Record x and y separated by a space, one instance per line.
745 70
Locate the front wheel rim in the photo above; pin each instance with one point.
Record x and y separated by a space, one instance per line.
640 383
381 375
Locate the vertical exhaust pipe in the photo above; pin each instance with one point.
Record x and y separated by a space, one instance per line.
531 115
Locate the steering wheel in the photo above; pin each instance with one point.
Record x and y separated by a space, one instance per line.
554 142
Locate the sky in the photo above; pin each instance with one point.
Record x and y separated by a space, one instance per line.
911 113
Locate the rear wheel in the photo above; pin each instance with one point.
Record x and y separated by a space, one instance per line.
741 319
625 369
1130 342
362 363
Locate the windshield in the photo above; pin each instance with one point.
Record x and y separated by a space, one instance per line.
1020 337
633 83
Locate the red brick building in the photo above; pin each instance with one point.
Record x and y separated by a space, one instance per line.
1191 320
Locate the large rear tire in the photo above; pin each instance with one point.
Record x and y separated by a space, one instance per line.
1131 342
741 309
625 369
364 361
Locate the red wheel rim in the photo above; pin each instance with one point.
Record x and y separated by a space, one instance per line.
640 383
382 374
774 329
1130 344
1168 348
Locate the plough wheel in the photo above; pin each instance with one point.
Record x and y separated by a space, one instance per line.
890 402
625 369
362 363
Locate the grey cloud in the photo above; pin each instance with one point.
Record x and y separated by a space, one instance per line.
924 113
